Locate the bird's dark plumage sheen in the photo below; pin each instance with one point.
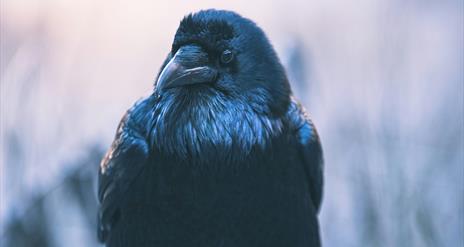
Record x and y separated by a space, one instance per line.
220 154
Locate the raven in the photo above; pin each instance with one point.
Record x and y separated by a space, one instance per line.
220 154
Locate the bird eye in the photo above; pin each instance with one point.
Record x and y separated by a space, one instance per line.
227 56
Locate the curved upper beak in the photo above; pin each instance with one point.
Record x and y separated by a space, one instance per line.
187 67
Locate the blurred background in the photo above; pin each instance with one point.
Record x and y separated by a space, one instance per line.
382 79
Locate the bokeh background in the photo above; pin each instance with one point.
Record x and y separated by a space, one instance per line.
382 79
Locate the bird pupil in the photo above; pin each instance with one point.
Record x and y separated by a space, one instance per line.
227 56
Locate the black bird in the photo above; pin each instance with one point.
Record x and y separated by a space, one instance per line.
220 154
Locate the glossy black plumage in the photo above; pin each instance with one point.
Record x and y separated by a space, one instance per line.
219 154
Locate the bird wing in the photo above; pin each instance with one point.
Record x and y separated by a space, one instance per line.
123 162
310 150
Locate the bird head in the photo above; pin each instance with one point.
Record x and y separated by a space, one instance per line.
220 52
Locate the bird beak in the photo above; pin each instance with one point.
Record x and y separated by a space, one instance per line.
187 67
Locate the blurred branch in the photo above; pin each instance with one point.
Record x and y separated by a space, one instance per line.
34 227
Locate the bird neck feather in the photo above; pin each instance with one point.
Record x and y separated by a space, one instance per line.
207 124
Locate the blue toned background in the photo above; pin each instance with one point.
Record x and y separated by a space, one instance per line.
383 81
